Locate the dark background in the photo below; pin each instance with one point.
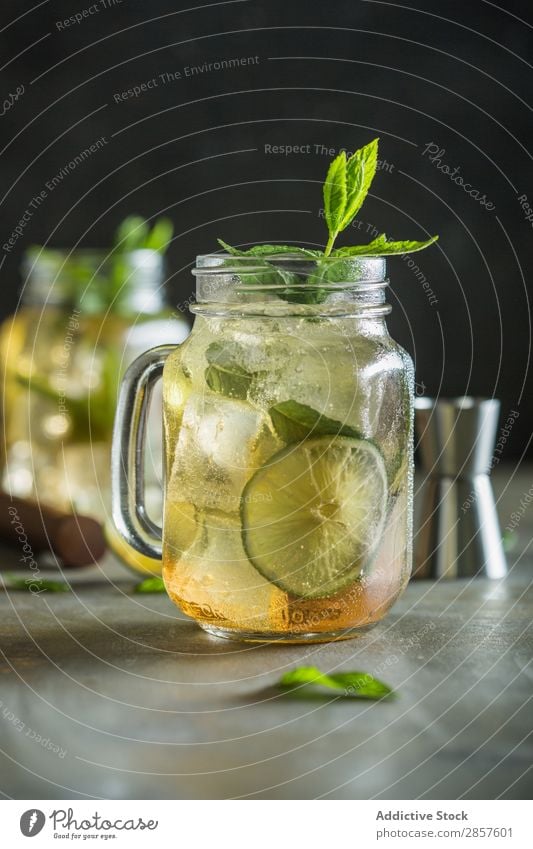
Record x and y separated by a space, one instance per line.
337 74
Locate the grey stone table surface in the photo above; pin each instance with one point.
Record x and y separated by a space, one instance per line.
105 693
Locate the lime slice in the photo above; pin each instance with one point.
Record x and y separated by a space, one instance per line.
313 516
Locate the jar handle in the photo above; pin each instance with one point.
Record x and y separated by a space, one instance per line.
127 457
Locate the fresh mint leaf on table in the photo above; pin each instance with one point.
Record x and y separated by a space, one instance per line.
346 186
12 582
351 685
151 585
293 422
509 540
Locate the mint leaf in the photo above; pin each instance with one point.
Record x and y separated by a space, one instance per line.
35 585
294 422
269 250
134 234
354 250
160 235
234 383
346 187
509 541
131 233
381 247
267 269
360 171
229 249
354 685
151 585
273 250
225 373
347 184
335 195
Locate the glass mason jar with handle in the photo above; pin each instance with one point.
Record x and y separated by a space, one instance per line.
288 417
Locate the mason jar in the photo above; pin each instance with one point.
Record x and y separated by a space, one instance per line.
78 326
288 427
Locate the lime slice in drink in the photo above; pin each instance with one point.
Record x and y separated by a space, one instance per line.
313 516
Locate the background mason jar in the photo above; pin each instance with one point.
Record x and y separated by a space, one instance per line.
83 317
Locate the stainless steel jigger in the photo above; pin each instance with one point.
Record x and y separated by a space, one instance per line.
459 533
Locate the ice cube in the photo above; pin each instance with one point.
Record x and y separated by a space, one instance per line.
221 443
316 367
353 379
213 578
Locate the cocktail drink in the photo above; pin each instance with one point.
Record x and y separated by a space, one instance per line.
288 458
288 435
288 438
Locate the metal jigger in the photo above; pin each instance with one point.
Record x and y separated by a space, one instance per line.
459 534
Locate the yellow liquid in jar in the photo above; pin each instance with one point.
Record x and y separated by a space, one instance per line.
215 444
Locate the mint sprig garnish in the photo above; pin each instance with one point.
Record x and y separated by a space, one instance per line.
346 186
382 247
305 681
269 250
35 584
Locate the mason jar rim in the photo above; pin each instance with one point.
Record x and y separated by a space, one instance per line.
289 284
363 269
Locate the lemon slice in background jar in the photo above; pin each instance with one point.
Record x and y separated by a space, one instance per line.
128 555
314 515
180 527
